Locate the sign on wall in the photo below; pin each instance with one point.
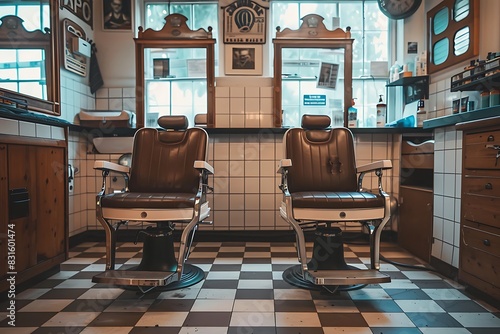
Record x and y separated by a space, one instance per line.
81 9
245 22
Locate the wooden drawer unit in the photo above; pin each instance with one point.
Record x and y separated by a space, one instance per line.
480 216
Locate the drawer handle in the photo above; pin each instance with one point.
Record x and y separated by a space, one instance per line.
488 186
486 242
494 147
491 138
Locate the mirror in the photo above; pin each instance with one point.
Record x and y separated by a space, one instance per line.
312 72
29 62
174 61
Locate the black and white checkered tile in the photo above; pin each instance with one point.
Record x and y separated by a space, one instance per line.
244 292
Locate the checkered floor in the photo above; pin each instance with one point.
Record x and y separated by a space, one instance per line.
244 293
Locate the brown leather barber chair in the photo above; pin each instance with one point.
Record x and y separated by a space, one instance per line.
322 186
167 184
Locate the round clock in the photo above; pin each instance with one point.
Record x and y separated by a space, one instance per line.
398 9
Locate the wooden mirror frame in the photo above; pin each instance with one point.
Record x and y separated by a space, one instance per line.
174 34
14 33
312 33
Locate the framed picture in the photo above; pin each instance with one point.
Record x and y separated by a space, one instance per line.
243 59
328 74
117 15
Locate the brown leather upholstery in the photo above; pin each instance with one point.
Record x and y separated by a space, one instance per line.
312 122
162 173
323 171
173 122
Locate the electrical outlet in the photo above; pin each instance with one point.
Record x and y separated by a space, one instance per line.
71 179
71 185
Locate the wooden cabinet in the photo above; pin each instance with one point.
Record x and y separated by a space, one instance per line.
33 190
416 196
480 215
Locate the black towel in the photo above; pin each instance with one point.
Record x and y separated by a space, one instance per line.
95 77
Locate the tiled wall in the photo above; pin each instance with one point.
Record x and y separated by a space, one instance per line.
447 188
246 194
75 95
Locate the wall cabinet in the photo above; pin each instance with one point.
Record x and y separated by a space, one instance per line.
480 223
33 183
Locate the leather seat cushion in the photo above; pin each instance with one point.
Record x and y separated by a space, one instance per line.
148 200
336 200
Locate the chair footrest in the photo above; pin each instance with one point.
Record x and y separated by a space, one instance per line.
135 277
346 277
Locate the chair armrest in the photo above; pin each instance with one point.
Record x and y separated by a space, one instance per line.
200 164
111 166
381 164
284 164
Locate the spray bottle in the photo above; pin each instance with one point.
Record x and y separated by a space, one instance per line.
381 111
352 114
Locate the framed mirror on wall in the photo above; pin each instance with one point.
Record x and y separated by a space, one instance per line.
175 72
29 65
312 72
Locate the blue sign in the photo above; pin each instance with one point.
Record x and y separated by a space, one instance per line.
314 100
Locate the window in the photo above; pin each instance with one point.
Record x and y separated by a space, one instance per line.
23 70
454 33
370 31
180 87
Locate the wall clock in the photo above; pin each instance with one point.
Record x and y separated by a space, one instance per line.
398 9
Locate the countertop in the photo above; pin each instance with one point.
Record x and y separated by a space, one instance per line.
462 117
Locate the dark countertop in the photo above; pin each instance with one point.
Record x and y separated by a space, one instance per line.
34 117
126 132
461 117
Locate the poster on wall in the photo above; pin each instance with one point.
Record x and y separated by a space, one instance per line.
328 74
245 22
117 15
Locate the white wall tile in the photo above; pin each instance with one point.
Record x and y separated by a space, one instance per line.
236 202
449 138
448 208
267 218
221 184
439 161
449 185
9 126
221 220
448 231
252 151
437 249
102 104
236 168
115 104
438 184
237 220
252 105
438 205
266 105
221 91
252 121
252 168
266 121
236 92
221 150
447 253
27 129
437 228
236 185
268 168
222 121
237 121
252 92
57 133
267 185
237 148
252 220
455 262
252 185
458 206
267 202
43 131
115 92
221 105
266 92
252 201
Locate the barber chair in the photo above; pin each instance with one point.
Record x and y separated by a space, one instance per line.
322 186
166 184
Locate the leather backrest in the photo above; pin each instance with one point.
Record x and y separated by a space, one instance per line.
162 161
322 160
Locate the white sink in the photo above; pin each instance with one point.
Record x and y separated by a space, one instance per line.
113 145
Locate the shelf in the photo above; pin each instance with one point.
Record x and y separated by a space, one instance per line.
414 88
484 83
475 79
407 81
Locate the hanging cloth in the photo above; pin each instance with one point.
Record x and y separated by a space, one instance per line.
95 77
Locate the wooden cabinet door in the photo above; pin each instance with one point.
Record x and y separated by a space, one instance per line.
21 171
4 204
415 221
50 201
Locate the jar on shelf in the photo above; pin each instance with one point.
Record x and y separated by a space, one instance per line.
494 97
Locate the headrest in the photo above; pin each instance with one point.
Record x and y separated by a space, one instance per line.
173 122
315 122
200 119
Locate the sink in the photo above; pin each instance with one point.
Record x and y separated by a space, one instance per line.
112 145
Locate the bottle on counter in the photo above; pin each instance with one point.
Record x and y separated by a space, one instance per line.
352 114
381 112
421 113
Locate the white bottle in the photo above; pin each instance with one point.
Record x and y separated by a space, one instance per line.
381 111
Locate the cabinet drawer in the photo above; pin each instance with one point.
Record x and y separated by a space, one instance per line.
481 185
479 264
481 209
480 150
481 240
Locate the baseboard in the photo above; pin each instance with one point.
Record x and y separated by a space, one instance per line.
444 268
224 236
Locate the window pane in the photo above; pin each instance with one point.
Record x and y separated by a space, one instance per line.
440 22
461 10
441 51
461 41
